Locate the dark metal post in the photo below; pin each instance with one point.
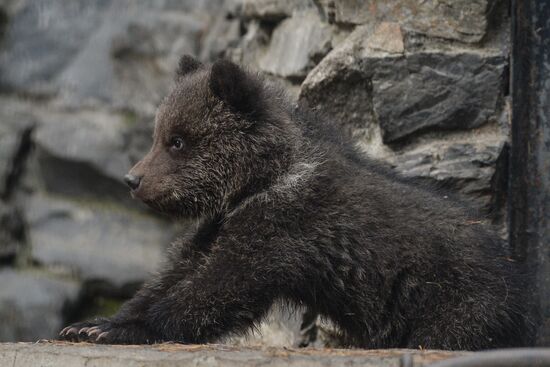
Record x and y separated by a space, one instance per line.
529 191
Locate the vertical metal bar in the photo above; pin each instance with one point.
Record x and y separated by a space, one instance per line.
529 191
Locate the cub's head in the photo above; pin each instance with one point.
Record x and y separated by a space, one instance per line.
218 138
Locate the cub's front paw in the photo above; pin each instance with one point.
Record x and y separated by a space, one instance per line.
108 332
77 331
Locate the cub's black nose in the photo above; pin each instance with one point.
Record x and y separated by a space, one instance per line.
132 181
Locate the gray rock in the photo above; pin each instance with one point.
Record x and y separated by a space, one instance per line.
120 53
187 6
387 37
252 45
466 164
31 305
382 94
340 87
97 241
96 138
82 154
345 99
427 90
222 35
42 38
273 10
463 20
297 44
145 55
363 81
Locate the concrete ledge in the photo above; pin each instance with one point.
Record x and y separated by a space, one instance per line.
82 354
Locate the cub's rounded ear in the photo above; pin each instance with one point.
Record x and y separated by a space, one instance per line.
187 64
235 86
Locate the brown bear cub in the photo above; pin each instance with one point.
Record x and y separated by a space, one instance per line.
287 210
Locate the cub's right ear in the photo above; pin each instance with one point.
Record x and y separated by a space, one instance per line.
187 64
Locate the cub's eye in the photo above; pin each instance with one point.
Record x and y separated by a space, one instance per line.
176 143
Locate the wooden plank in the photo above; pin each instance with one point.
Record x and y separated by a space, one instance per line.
161 355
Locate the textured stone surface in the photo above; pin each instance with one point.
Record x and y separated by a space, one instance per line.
97 241
31 305
252 45
381 93
83 154
145 53
223 35
94 138
466 163
339 86
273 9
387 37
295 44
121 53
408 93
38 45
463 20
436 90
66 354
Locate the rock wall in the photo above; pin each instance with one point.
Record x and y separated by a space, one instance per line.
421 85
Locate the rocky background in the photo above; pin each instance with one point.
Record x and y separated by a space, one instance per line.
421 85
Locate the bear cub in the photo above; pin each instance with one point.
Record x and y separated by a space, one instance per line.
288 210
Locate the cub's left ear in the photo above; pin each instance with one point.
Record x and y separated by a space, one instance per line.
236 87
187 64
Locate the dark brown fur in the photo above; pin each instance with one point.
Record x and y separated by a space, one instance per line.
289 211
